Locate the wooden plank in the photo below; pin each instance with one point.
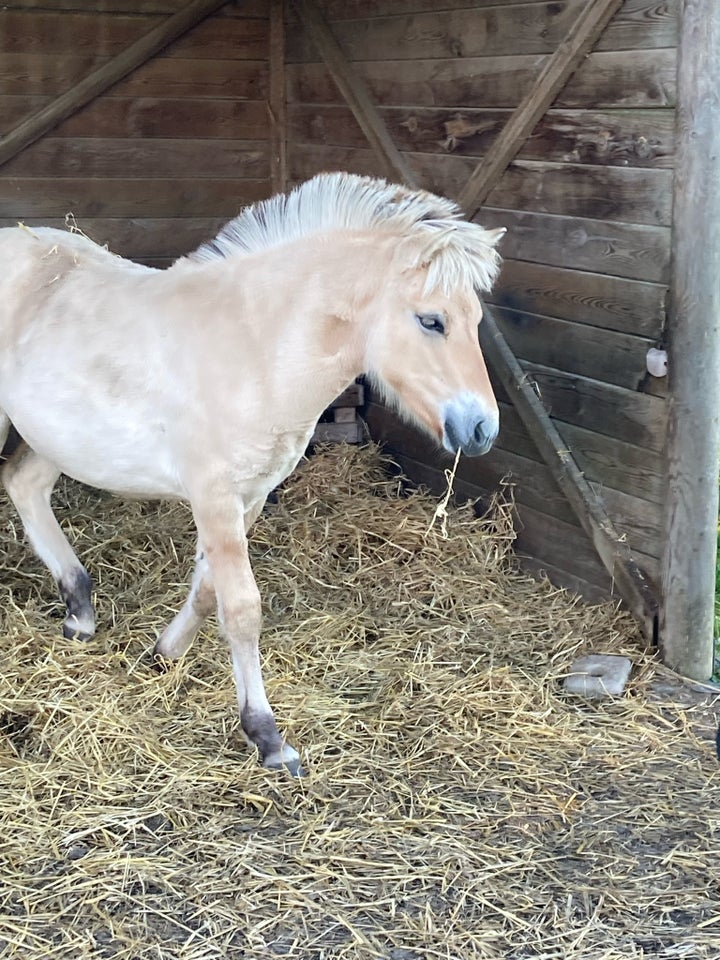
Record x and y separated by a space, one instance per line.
233 8
276 98
338 433
602 407
96 35
27 74
152 117
592 352
86 197
585 30
216 79
354 9
686 638
601 193
114 157
223 39
601 301
619 80
363 9
632 584
104 77
501 30
614 303
355 93
608 462
633 196
140 237
638 138
605 461
352 396
448 33
634 251
344 414
564 546
542 570
25 31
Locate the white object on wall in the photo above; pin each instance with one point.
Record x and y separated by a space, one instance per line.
657 362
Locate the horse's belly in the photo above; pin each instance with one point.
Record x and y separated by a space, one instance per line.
118 453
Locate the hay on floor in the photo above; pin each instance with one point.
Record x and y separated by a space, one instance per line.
458 803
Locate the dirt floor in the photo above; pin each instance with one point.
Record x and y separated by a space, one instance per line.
458 802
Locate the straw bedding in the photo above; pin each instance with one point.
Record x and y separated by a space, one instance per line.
458 803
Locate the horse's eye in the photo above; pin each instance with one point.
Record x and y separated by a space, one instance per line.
433 322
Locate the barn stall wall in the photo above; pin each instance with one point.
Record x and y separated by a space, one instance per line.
587 203
194 127
159 161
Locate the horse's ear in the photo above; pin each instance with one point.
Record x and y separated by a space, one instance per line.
493 237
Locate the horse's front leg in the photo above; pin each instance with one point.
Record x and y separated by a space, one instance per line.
177 637
221 528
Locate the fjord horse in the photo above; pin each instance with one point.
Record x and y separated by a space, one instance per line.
205 381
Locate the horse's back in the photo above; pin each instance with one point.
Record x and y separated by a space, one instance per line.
79 357
37 243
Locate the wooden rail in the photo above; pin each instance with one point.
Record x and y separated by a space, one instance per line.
632 584
276 97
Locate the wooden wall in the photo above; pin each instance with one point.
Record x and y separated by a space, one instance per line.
587 204
160 161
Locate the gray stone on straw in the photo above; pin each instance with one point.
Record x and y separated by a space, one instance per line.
598 675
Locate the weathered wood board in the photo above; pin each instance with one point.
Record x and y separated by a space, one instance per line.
587 204
156 163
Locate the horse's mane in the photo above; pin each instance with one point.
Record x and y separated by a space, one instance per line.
456 252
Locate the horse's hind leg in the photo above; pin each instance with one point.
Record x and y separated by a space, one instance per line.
176 638
29 480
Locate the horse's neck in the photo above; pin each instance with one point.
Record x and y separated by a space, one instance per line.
307 298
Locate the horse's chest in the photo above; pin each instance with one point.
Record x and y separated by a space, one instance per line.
272 464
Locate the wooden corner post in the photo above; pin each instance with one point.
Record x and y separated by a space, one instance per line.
691 515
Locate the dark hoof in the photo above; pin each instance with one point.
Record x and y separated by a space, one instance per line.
71 632
160 664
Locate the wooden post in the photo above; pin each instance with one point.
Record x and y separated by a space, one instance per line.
691 516
276 98
104 77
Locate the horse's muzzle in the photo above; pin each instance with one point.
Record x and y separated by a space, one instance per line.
469 426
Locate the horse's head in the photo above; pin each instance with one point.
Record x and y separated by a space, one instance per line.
423 350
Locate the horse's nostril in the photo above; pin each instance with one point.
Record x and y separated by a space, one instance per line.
479 433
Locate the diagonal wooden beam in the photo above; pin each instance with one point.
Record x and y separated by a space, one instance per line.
100 80
631 583
557 70
355 92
